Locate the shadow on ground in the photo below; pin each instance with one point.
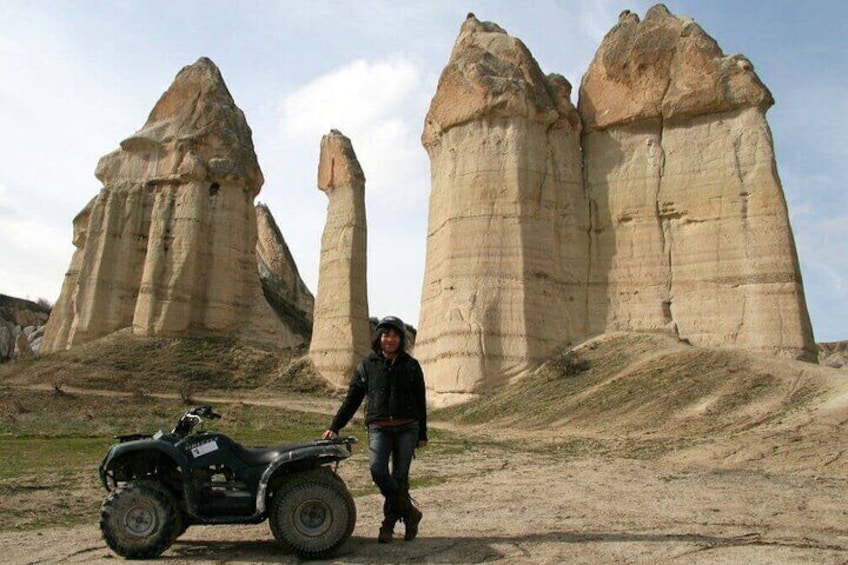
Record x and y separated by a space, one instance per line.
461 550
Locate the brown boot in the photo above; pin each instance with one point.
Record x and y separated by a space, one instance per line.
390 518
410 514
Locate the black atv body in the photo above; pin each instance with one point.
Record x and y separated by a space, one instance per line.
161 484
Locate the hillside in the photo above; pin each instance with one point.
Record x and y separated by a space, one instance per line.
641 394
650 395
127 363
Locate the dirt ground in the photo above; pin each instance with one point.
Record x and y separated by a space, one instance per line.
773 492
531 508
518 510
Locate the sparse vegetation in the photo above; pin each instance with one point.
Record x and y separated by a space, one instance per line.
124 362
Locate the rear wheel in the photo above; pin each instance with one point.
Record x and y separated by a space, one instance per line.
312 513
139 520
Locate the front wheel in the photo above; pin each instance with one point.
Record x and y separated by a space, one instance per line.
139 520
312 513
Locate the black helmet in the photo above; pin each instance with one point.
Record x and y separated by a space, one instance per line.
392 322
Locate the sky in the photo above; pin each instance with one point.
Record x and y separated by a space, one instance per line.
78 77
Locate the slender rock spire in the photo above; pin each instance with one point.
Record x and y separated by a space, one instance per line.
341 331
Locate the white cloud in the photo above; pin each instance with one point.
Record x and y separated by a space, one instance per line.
378 105
351 97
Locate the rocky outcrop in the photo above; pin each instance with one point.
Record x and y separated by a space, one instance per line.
504 280
689 224
21 326
8 335
340 332
282 286
657 206
168 246
833 354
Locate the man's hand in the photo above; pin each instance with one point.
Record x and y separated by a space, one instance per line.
329 434
422 443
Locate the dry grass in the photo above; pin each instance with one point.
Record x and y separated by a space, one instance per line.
189 365
629 384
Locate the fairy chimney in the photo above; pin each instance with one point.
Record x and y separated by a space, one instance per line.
505 273
168 245
340 331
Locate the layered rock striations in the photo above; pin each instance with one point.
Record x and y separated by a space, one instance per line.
168 246
690 229
341 331
505 273
657 206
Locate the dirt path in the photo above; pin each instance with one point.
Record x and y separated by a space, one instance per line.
513 508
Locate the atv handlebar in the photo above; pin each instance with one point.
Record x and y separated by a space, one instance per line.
191 418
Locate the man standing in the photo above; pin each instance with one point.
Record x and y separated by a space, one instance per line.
396 416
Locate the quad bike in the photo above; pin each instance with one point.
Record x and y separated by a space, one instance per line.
161 484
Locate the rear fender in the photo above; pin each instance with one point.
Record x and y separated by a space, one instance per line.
320 453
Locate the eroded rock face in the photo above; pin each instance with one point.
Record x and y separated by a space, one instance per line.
341 332
505 276
282 286
657 206
168 245
689 229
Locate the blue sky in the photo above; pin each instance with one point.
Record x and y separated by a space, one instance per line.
78 77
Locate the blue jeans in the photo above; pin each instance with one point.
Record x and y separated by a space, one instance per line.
397 443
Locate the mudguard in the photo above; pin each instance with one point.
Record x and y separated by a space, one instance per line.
119 451
319 452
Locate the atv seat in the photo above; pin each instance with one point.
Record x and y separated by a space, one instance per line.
262 455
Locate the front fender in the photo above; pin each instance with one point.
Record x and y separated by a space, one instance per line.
137 453
316 454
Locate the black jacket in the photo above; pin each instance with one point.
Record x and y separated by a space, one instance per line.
395 391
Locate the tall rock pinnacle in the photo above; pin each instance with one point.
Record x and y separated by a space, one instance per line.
341 331
689 229
168 245
505 274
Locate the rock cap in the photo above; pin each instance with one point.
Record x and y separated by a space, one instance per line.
194 132
337 164
493 75
664 67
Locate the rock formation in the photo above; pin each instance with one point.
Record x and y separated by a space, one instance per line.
505 274
21 326
658 206
168 246
833 354
282 286
340 332
689 224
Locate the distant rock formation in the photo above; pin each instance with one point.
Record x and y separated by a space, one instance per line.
505 274
657 206
168 246
21 326
340 332
833 354
282 286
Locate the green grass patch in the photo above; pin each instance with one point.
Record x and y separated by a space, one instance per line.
29 457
